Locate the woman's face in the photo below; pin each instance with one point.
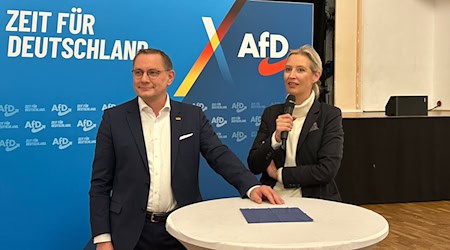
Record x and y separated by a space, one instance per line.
298 77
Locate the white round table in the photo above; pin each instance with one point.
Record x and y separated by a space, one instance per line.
219 224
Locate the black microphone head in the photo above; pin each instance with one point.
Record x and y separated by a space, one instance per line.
290 99
289 104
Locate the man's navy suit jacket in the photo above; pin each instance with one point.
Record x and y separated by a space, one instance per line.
120 175
318 155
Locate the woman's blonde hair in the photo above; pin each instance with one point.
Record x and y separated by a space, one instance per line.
316 63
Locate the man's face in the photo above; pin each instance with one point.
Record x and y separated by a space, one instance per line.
151 78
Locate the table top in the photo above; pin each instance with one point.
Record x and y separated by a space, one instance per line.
219 224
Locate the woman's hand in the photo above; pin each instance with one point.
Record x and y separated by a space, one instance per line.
284 123
272 170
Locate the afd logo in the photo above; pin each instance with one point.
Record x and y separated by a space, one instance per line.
8 110
35 126
107 106
87 125
62 143
9 145
219 121
266 41
239 136
62 109
256 120
239 106
201 105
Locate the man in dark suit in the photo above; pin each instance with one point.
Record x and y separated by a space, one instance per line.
147 158
314 146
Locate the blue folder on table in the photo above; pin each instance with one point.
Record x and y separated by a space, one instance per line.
265 215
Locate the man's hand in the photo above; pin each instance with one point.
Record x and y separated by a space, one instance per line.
264 192
105 246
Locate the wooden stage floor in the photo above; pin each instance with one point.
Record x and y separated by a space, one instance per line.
421 225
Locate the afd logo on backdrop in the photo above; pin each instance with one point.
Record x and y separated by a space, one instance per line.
256 120
62 143
9 145
201 105
8 110
239 107
87 125
219 121
239 136
62 109
35 126
107 106
258 47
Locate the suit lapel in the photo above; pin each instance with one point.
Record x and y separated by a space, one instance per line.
176 121
311 117
134 121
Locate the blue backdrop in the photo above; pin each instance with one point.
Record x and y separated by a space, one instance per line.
63 63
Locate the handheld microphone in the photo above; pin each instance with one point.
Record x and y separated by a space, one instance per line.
288 109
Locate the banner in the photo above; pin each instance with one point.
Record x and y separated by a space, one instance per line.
63 63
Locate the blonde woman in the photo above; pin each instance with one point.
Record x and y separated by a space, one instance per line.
314 146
